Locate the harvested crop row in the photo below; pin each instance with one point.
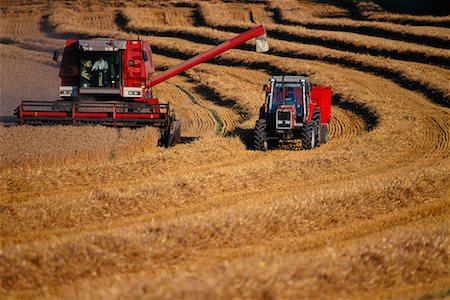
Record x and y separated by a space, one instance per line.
25 31
338 268
426 35
96 20
337 40
162 16
264 219
335 156
443 21
30 147
210 216
406 73
317 51
200 116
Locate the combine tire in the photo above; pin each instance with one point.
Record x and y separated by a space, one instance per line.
260 136
171 136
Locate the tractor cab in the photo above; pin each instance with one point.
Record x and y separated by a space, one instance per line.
113 70
287 101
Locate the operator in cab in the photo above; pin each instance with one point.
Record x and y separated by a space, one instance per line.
290 98
100 68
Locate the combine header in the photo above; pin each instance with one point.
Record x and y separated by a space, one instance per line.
110 82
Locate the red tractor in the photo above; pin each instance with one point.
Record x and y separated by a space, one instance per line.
110 82
293 109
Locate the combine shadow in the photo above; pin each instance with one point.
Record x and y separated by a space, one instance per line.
8 120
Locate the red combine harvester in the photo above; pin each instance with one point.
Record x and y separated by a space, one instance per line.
109 82
293 109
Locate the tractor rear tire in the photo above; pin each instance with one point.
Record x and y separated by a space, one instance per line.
317 131
324 130
260 135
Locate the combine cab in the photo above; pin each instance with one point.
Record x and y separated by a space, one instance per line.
293 110
110 82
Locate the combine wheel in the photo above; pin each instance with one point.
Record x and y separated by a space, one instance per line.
171 136
174 133
260 135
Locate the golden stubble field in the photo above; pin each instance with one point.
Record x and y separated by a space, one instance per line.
93 212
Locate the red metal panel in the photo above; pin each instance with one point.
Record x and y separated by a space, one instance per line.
322 96
240 39
133 73
149 66
70 64
137 116
90 115
59 114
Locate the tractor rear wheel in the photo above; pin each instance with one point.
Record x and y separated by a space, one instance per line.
324 133
317 131
260 135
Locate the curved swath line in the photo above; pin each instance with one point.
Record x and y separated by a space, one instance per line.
213 113
434 94
199 120
344 125
287 33
364 28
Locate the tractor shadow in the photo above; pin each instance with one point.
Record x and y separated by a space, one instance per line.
188 139
246 137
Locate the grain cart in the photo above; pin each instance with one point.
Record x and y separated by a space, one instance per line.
293 109
110 82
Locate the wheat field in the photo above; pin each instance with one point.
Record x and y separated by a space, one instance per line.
95 212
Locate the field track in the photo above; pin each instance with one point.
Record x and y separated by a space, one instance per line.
366 215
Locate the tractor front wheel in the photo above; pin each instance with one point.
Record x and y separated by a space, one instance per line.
307 136
260 135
